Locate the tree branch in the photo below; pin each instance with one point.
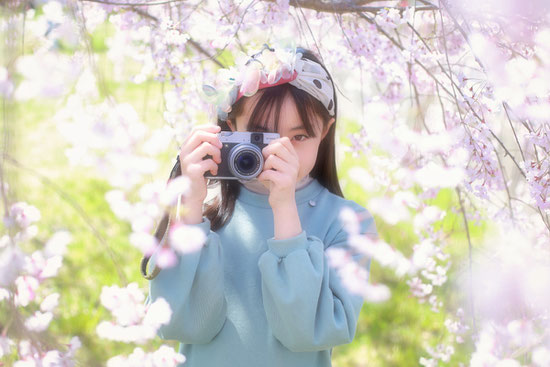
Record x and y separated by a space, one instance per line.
331 7
469 260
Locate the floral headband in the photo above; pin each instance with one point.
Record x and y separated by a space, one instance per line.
268 68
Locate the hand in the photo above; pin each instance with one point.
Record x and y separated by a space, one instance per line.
201 141
280 173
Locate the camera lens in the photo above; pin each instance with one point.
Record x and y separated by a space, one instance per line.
246 162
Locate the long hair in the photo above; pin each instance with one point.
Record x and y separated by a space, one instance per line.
220 209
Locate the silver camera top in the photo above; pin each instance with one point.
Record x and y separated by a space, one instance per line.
247 136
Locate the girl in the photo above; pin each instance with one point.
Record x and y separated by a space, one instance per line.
260 291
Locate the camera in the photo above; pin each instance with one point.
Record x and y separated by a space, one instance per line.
241 154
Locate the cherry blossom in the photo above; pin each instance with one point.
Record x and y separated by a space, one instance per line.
134 321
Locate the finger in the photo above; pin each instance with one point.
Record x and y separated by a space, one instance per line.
275 177
207 127
279 149
288 145
276 163
269 176
196 170
201 151
197 138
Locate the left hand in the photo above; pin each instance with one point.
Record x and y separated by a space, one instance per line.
280 173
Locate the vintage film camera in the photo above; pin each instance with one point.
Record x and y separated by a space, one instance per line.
241 154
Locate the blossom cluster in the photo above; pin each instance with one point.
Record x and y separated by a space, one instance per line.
136 321
24 292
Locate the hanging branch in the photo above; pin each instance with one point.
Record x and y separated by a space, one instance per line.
471 280
330 7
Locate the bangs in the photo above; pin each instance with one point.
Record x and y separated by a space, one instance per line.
271 101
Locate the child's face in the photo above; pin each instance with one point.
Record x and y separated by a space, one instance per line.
291 126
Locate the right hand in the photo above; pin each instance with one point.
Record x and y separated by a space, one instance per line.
202 141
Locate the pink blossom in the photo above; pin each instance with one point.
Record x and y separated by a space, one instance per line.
50 302
133 320
186 239
251 81
23 215
433 175
541 356
5 346
12 261
145 242
57 244
39 321
166 257
6 86
163 357
176 187
391 210
26 290
350 220
40 267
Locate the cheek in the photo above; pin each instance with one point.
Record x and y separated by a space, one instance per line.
307 155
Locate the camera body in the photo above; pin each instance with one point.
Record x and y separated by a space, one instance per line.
241 154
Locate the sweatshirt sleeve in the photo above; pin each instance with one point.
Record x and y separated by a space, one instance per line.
307 306
194 289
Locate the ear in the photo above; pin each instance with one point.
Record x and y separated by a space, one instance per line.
233 128
327 128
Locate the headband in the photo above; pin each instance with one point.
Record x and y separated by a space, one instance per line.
268 68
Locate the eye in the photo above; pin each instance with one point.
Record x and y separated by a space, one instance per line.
300 137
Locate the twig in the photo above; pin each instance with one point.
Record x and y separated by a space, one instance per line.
469 259
506 186
513 130
442 107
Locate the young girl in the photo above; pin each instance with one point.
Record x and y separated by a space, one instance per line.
260 292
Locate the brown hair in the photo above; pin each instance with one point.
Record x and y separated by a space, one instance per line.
220 209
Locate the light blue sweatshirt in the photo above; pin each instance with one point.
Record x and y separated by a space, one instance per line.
248 300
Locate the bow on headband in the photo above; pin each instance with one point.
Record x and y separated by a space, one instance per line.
268 68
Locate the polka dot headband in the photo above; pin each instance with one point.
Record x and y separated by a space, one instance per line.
269 68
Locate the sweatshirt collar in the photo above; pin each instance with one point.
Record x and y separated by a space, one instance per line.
302 195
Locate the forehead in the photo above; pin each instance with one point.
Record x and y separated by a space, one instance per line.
289 116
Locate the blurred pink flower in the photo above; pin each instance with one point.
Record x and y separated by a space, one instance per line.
12 260
22 214
176 187
26 290
50 302
163 357
57 244
186 239
251 80
166 257
133 320
39 321
145 242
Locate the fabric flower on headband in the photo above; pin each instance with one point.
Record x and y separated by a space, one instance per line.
268 68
